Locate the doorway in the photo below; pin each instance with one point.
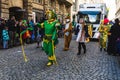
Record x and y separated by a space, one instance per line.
17 12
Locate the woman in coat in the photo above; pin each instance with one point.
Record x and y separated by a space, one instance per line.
81 36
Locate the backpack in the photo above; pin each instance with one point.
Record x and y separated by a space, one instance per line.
77 29
86 31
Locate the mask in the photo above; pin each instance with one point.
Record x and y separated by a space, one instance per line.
67 20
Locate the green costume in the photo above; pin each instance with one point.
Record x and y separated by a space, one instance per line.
50 38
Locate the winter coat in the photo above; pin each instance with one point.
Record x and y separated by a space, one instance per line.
5 35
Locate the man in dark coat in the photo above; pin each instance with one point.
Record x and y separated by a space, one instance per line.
2 24
114 34
12 29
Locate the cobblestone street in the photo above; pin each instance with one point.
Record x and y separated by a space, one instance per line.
94 65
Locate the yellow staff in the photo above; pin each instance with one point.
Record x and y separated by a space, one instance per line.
23 51
25 32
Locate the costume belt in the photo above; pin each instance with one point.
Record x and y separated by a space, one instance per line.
48 37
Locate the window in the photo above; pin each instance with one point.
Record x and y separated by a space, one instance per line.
74 7
52 2
39 1
90 18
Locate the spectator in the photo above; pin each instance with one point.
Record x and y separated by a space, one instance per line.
38 37
5 36
2 24
11 25
114 34
81 36
31 24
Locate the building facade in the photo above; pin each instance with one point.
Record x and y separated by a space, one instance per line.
95 1
61 7
33 9
117 14
78 2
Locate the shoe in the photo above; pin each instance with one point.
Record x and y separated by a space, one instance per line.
100 49
84 51
114 54
118 54
65 49
105 50
49 63
109 53
78 53
37 47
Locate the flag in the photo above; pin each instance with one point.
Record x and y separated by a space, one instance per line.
26 33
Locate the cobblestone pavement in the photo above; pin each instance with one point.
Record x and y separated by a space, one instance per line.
94 65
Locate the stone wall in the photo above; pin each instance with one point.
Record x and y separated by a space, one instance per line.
28 5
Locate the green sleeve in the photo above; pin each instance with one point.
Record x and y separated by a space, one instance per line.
39 25
30 28
54 36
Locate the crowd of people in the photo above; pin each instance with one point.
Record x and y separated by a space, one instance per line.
11 29
109 36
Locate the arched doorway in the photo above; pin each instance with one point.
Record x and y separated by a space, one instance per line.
17 12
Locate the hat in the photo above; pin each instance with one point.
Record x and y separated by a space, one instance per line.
106 21
52 13
116 20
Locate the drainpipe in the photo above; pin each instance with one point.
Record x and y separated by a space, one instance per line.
44 8
0 8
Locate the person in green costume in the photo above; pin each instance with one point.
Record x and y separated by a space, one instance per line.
50 38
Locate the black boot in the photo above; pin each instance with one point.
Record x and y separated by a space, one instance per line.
78 53
84 47
79 49
84 51
100 49
105 50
